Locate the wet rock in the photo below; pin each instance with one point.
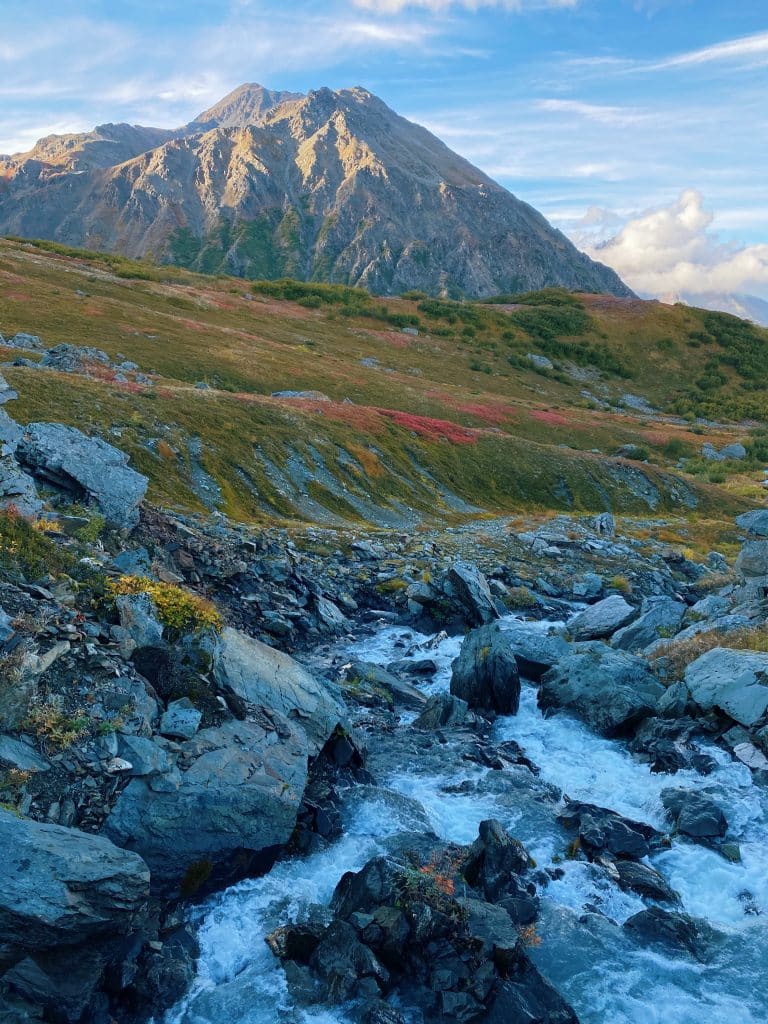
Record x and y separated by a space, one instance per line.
754 523
659 617
494 860
296 941
611 690
442 711
17 488
694 814
528 998
640 878
601 619
534 650
735 682
342 962
485 673
233 807
68 459
666 743
670 930
265 677
471 589
674 701
603 831
368 675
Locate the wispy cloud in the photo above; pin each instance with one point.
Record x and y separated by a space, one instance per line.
598 112
438 6
749 47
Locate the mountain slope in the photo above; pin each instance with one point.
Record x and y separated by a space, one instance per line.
331 186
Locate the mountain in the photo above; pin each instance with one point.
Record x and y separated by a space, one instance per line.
746 307
328 186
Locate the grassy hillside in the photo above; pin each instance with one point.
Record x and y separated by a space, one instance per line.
451 420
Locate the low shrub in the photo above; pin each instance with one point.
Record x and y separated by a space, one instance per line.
177 609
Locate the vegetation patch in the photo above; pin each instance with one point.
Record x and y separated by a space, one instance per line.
177 609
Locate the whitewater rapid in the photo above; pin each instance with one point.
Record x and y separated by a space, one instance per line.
584 951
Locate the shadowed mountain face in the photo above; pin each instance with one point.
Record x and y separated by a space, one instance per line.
330 186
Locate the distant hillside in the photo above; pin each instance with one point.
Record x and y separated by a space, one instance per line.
332 186
284 400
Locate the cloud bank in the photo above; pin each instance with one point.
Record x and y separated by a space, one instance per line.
671 250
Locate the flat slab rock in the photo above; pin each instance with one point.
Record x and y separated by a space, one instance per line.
735 682
602 619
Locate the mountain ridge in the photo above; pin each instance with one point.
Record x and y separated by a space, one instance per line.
329 186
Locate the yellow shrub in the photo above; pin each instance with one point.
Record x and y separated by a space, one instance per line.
176 608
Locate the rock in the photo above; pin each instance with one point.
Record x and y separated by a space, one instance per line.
709 452
601 619
181 721
6 626
749 755
138 617
754 523
528 998
146 756
659 617
735 451
673 703
485 673
540 362
471 589
21 756
231 809
342 961
494 860
670 930
603 831
604 525
611 690
10 434
735 682
442 711
534 650
265 677
65 457
60 886
17 488
640 878
694 814
367 674
752 561
7 394
589 587
329 615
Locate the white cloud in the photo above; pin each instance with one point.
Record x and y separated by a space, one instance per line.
752 47
436 6
601 113
671 250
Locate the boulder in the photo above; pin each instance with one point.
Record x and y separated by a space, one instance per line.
670 930
485 673
611 690
659 617
65 457
442 711
6 626
468 585
734 451
138 617
603 831
752 562
642 879
264 677
231 809
754 523
17 754
735 682
534 650
601 619
528 998
369 675
494 860
17 488
181 720
694 814
60 886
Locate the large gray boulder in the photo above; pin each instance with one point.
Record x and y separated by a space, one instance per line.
71 905
467 584
485 673
754 523
65 457
535 651
752 562
659 617
611 690
17 488
601 619
231 809
62 886
264 677
734 682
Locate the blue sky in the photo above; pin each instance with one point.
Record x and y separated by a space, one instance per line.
640 121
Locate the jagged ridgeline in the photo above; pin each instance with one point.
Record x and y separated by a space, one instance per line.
332 186
285 400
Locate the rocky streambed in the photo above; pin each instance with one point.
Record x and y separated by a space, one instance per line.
633 916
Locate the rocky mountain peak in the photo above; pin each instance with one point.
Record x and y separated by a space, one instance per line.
248 104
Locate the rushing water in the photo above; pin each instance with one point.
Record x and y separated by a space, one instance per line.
584 951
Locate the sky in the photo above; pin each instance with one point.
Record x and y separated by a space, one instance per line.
638 127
